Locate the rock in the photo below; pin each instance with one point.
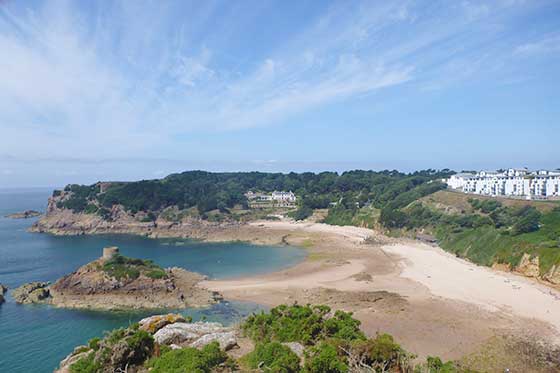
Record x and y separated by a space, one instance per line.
227 340
297 348
154 323
197 334
3 290
529 266
553 275
24 215
33 292
174 333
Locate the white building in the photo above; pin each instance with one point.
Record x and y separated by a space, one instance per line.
513 182
283 196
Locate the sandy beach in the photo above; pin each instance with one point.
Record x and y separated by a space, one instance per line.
431 301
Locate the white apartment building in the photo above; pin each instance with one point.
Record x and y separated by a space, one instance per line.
513 182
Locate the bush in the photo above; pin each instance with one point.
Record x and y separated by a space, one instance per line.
189 360
94 343
304 324
86 364
393 218
301 213
273 357
528 221
324 358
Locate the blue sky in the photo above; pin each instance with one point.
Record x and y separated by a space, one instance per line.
121 90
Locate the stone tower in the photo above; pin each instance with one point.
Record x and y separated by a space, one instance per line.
109 252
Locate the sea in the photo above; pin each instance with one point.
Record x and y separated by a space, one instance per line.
35 338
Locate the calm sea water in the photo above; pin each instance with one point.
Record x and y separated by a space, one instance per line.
34 338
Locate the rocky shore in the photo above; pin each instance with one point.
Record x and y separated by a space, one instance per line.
24 215
65 222
116 282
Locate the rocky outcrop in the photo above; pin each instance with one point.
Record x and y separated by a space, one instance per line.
529 266
127 349
154 323
33 292
90 287
196 335
124 284
553 275
3 290
24 215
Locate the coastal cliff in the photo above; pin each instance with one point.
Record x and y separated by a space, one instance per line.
170 222
117 282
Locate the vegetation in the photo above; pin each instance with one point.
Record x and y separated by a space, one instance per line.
486 231
118 349
333 341
189 360
273 357
122 267
329 347
303 324
207 191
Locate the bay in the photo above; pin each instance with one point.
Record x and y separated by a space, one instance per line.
34 338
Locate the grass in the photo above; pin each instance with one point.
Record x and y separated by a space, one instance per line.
459 201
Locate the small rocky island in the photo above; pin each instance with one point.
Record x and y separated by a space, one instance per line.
24 215
118 282
3 291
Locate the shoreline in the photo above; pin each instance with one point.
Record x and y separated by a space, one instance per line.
411 290
425 297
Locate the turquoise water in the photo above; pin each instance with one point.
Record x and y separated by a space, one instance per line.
34 338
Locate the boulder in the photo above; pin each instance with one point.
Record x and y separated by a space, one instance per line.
154 323
196 335
174 333
227 340
33 292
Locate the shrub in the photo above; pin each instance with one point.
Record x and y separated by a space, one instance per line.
304 324
324 358
86 364
273 357
189 360
528 221
90 209
301 213
393 218
94 343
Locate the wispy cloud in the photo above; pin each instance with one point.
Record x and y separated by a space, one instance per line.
113 79
549 44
